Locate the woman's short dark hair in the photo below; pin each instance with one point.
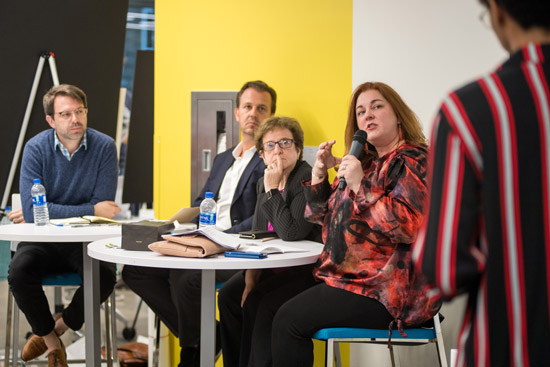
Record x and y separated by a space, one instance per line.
280 122
528 13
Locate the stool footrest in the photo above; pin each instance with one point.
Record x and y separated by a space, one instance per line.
345 333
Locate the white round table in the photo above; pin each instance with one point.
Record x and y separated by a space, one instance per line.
28 232
109 250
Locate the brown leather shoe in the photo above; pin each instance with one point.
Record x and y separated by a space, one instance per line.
35 346
57 358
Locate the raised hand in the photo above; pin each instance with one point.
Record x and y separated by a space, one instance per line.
325 161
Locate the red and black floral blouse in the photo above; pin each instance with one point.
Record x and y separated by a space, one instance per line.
368 234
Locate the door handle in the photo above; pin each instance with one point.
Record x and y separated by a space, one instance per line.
206 154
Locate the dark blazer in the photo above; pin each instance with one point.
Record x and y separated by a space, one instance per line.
286 211
244 198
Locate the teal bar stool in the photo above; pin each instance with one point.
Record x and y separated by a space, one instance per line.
12 353
415 336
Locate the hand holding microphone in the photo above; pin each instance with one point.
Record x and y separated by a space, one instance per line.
357 146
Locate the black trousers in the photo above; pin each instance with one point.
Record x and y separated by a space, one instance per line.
316 308
174 295
246 332
31 262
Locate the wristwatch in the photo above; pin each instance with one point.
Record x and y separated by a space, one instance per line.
270 193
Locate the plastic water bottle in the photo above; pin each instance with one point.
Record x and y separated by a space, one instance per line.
39 203
208 211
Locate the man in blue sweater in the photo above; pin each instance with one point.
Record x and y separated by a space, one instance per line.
78 168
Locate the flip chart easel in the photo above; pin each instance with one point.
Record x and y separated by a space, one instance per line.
53 69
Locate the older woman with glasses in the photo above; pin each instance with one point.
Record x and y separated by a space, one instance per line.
249 300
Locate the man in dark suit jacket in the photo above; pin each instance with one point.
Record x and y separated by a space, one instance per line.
244 196
233 179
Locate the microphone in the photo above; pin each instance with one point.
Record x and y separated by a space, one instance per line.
357 145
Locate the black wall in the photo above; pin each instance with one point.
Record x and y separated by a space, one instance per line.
138 174
87 38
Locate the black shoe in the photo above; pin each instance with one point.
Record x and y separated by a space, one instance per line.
191 356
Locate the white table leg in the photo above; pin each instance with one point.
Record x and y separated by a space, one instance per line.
91 309
208 318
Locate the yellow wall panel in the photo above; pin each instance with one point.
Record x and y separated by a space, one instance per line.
301 48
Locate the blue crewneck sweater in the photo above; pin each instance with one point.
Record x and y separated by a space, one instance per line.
72 187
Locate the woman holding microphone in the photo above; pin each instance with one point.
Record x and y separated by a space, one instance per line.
365 275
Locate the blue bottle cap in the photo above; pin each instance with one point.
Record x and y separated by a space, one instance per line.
209 195
36 180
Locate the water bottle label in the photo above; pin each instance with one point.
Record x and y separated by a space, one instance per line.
39 200
207 219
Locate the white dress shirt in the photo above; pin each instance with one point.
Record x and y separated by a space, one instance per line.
229 184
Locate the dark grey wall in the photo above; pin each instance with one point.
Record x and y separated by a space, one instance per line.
87 38
138 174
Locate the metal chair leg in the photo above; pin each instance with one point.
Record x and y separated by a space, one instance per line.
58 299
108 344
9 318
15 335
439 342
329 353
337 356
113 319
157 342
392 357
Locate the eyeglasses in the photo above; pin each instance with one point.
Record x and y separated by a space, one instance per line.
283 144
485 18
66 115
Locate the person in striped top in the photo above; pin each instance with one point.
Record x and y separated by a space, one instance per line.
487 232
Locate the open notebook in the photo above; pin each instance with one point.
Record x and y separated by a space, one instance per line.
265 249
86 219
